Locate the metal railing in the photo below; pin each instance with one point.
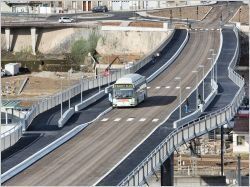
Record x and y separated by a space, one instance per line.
188 131
47 103
11 136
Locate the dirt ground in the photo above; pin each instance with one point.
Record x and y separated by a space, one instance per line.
111 23
119 59
38 84
146 24
46 83
243 16
183 12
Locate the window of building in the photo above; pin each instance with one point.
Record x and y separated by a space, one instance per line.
73 4
240 140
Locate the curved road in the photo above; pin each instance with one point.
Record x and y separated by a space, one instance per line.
94 151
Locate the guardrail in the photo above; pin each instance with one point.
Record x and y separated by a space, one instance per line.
41 153
26 163
11 136
47 103
188 131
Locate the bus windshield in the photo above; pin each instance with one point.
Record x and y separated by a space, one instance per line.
123 93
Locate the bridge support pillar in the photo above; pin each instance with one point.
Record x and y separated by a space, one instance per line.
33 39
222 150
167 171
8 39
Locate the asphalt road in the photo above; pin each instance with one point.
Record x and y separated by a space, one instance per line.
226 92
43 129
94 151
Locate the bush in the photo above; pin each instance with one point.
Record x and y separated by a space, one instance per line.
82 47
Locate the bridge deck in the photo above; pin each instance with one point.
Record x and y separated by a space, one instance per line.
89 155
226 92
40 135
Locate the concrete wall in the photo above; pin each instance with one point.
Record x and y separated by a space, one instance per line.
61 40
120 42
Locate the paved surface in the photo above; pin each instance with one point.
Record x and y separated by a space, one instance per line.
227 10
94 151
226 92
43 130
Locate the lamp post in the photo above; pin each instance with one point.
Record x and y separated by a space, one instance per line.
69 88
215 71
203 95
81 87
212 71
61 96
179 87
196 73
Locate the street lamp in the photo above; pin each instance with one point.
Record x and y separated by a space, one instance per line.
196 73
179 87
202 66
215 71
69 87
61 96
81 81
212 71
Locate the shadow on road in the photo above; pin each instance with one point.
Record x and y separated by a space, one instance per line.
157 101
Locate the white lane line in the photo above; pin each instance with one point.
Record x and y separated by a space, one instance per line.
201 29
158 87
196 29
130 119
105 119
155 120
212 29
148 87
167 87
117 119
142 119
206 29
218 29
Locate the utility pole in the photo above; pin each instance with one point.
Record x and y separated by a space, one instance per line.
238 170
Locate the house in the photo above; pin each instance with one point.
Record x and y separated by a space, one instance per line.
241 132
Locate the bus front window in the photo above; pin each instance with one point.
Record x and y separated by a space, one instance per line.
120 93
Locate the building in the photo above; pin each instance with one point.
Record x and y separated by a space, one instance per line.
72 6
241 132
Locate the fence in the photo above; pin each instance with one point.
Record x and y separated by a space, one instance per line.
47 103
11 136
188 131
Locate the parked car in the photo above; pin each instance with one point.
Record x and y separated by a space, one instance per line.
65 20
100 9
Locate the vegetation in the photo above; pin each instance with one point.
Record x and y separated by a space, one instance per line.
81 48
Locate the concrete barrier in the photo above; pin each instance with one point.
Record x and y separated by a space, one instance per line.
170 61
142 29
65 117
89 101
202 107
46 150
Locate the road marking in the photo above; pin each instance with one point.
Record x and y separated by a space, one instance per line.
206 29
117 119
201 29
130 119
155 120
196 29
218 29
148 87
158 87
142 119
105 119
212 29
167 87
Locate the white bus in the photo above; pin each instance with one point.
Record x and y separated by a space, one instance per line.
129 90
